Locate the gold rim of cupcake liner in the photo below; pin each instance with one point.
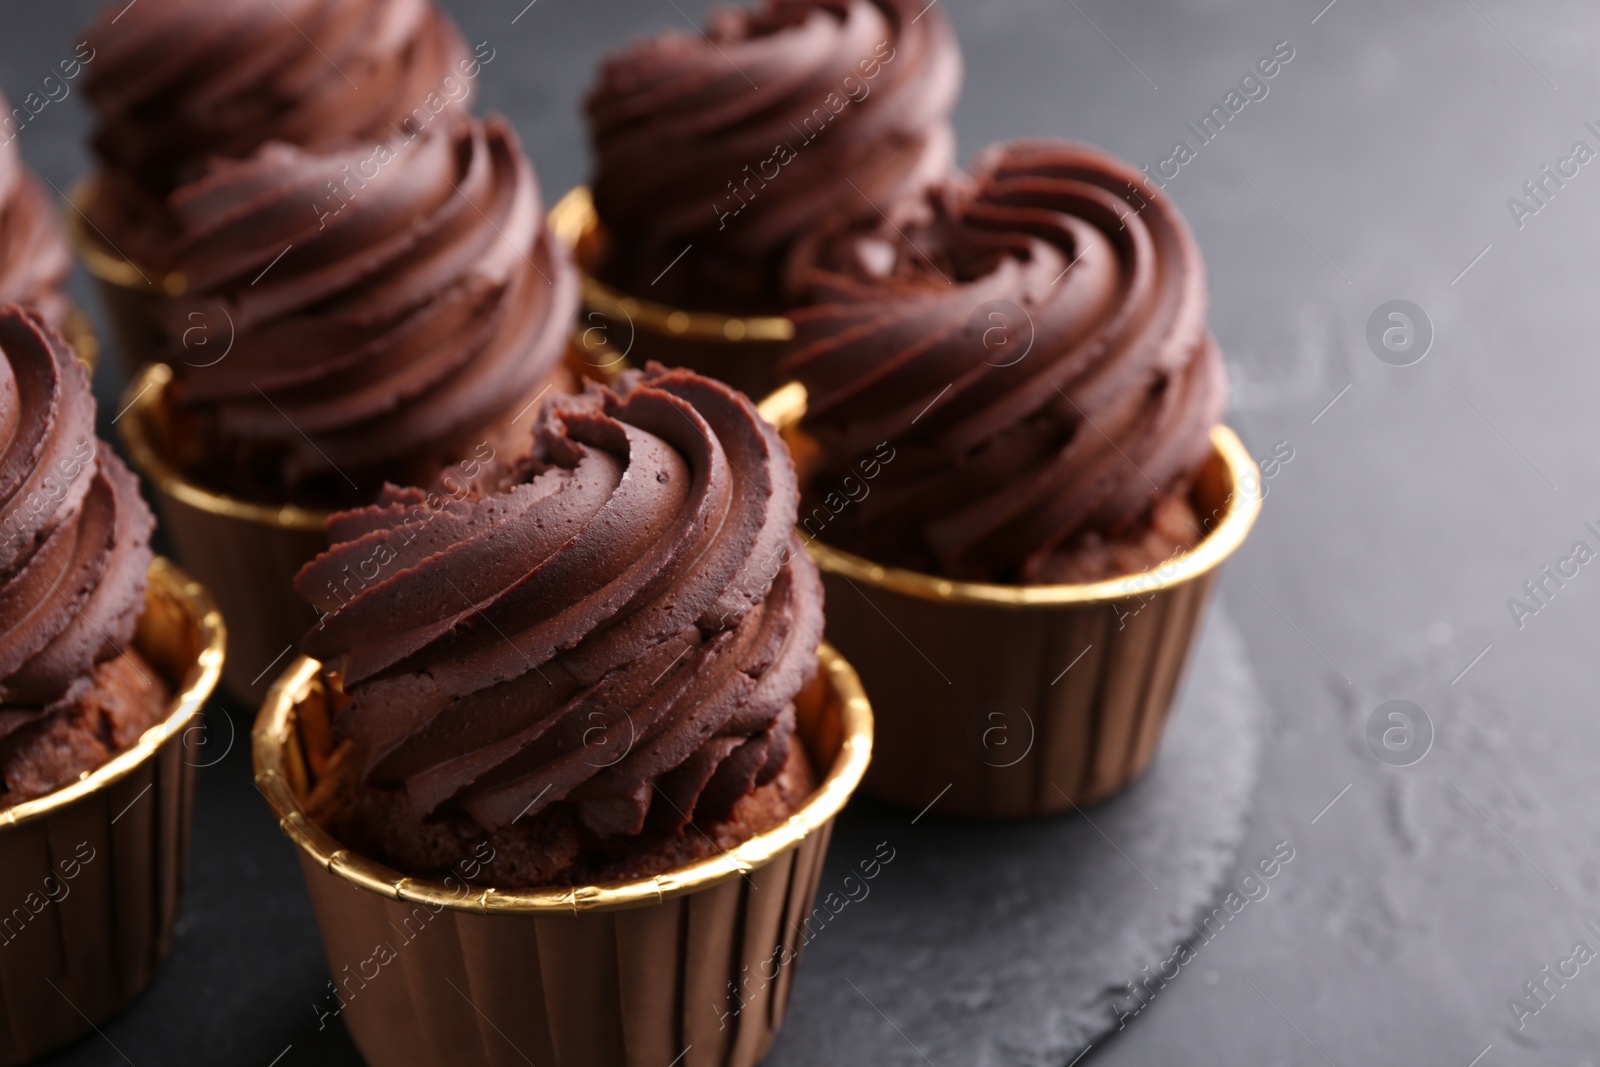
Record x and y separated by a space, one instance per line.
273 732
574 221
784 409
141 403
80 334
164 579
97 254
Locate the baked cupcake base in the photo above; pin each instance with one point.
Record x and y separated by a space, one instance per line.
691 966
91 874
551 850
126 697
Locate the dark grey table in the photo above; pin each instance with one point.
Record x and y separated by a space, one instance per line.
1419 499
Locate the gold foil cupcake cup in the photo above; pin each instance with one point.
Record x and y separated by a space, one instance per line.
692 967
739 350
246 553
129 292
1012 701
90 875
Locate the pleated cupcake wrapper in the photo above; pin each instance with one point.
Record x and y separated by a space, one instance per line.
636 987
90 876
1016 701
246 553
993 712
739 350
130 293
693 967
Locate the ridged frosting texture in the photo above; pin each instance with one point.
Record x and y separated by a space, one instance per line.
370 312
34 256
620 625
777 120
176 82
74 533
1037 355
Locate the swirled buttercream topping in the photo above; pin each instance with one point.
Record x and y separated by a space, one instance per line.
367 313
176 83
1036 355
794 115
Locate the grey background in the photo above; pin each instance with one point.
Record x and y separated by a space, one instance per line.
1378 168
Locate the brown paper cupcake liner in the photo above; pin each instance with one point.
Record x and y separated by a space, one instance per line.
1011 701
246 553
90 875
739 350
130 293
690 967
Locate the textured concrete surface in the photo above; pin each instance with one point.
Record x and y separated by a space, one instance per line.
1420 499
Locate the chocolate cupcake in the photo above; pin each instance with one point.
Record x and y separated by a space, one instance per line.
585 670
1014 404
176 84
717 151
99 673
353 316
652 608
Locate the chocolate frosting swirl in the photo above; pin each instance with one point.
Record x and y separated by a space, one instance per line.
739 139
34 256
389 308
620 625
74 533
176 82
1037 355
